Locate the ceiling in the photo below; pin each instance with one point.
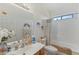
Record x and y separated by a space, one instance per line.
49 10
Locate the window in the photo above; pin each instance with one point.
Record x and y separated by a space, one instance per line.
57 18
63 17
67 17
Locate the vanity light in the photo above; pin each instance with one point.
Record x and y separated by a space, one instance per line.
3 13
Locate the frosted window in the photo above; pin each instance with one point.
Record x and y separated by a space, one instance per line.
67 17
57 18
63 17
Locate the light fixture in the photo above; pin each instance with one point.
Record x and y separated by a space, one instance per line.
2 13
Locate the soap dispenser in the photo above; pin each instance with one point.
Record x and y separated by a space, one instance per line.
33 39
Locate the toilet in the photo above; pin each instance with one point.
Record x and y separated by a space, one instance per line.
50 50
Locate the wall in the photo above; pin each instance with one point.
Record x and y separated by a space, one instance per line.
66 32
15 20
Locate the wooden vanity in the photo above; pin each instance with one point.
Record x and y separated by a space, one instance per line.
34 49
40 52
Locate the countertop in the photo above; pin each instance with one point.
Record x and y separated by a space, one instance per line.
27 50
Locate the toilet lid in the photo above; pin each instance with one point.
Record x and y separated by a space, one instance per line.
50 48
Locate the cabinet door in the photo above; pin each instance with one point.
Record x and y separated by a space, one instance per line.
40 52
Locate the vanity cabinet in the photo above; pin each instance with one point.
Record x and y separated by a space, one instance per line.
40 52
